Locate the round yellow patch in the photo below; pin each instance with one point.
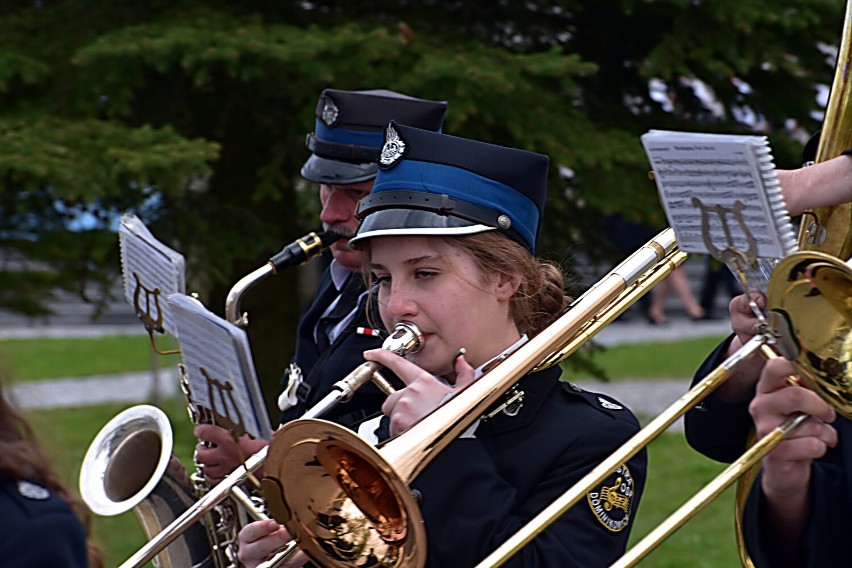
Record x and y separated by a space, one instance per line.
611 503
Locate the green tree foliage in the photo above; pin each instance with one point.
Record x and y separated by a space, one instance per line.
192 114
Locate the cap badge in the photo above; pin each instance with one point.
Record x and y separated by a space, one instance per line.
393 149
330 112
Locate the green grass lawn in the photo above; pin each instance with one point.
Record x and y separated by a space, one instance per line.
675 470
36 359
659 360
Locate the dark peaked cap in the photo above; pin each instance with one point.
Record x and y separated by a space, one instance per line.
464 186
349 127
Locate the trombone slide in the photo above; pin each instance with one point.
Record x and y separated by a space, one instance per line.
709 492
641 439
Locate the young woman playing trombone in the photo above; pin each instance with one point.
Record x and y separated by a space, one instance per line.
447 238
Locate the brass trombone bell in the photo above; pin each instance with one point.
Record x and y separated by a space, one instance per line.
812 292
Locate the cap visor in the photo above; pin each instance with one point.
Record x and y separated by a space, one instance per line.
323 170
413 222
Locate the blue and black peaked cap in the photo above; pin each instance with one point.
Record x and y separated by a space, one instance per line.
435 184
349 127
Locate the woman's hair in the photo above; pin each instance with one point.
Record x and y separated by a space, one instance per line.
22 458
539 300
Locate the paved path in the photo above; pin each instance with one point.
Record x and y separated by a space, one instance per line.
86 391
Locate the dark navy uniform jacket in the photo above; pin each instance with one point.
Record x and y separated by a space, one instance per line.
322 369
720 430
829 525
38 529
480 491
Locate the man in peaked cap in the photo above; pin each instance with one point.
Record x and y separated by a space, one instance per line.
334 331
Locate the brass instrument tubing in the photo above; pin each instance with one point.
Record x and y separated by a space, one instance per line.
709 492
641 439
194 514
242 497
592 327
243 285
282 556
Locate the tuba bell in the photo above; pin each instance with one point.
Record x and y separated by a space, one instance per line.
126 467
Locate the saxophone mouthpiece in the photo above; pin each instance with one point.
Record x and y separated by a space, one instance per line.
303 250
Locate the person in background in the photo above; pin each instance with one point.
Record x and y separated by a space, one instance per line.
42 523
334 331
627 236
448 236
678 283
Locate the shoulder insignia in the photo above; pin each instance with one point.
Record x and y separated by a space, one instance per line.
33 491
573 387
608 404
393 148
612 501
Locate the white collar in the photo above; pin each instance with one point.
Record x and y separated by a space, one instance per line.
478 372
339 274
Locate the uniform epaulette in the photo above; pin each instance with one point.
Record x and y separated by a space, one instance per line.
595 399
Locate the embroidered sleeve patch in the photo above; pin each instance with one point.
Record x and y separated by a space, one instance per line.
611 503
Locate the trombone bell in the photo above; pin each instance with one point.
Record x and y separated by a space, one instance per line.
813 293
369 512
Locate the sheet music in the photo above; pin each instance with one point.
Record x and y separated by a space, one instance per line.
721 171
209 342
148 265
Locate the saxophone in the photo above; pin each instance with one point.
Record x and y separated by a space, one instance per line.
130 466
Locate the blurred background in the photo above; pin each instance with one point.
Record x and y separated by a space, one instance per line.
192 115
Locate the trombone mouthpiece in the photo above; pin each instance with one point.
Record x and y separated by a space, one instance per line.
405 339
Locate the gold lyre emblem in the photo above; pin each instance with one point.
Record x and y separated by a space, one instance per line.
226 413
730 252
152 301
